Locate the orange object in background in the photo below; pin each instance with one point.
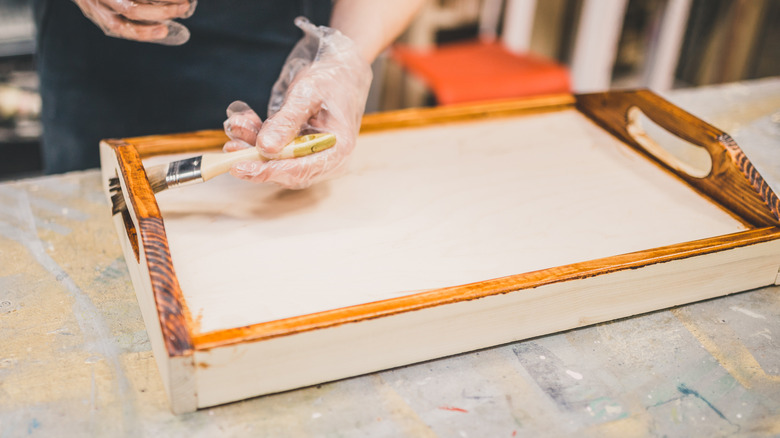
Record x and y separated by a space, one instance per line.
477 71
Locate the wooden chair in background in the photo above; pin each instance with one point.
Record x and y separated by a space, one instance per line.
486 68
525 48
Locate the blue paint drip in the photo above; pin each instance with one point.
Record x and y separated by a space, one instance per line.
34 424
687 391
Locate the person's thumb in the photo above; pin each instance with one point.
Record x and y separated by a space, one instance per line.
301 103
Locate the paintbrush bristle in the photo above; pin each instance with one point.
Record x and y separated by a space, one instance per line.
156 176
117 199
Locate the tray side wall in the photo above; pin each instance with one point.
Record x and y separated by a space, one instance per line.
177 372
255 368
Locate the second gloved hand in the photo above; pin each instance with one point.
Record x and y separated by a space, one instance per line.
323 87
140 20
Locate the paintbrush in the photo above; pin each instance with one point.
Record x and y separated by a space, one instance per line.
204 167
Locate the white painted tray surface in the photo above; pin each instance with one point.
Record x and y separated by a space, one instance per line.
425 208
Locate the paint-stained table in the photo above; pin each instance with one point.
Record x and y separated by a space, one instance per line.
75 359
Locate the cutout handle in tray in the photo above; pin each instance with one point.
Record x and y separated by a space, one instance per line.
732 181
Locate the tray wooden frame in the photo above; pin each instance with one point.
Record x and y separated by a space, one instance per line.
186 357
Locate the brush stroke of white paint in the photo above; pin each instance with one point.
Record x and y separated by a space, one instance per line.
764 333
574 374
747 312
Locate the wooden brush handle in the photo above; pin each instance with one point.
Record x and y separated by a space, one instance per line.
216 164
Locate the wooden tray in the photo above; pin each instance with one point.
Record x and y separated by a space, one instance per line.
455 229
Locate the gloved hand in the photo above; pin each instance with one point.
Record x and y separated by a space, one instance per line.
323 87
141 20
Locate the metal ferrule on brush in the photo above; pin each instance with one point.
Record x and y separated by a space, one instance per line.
184 172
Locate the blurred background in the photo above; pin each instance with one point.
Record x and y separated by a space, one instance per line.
460 51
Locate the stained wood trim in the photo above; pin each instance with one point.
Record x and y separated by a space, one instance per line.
732 183
176 143
174 316
499 286
418 117
751 173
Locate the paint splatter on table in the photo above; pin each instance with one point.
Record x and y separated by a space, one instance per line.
75 359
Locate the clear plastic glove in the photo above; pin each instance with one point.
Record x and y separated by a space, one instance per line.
141 20
323 87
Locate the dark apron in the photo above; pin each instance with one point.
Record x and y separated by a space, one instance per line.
96 87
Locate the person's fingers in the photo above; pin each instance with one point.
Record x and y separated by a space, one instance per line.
235 145
294 173
286 176
240 107
192 4
177 35
301 103
118 26
105 14
149 12
240 128
242 123
278 131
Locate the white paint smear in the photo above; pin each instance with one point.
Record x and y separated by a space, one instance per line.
747 312
574 374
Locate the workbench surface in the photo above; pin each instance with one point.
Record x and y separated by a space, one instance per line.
75 359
